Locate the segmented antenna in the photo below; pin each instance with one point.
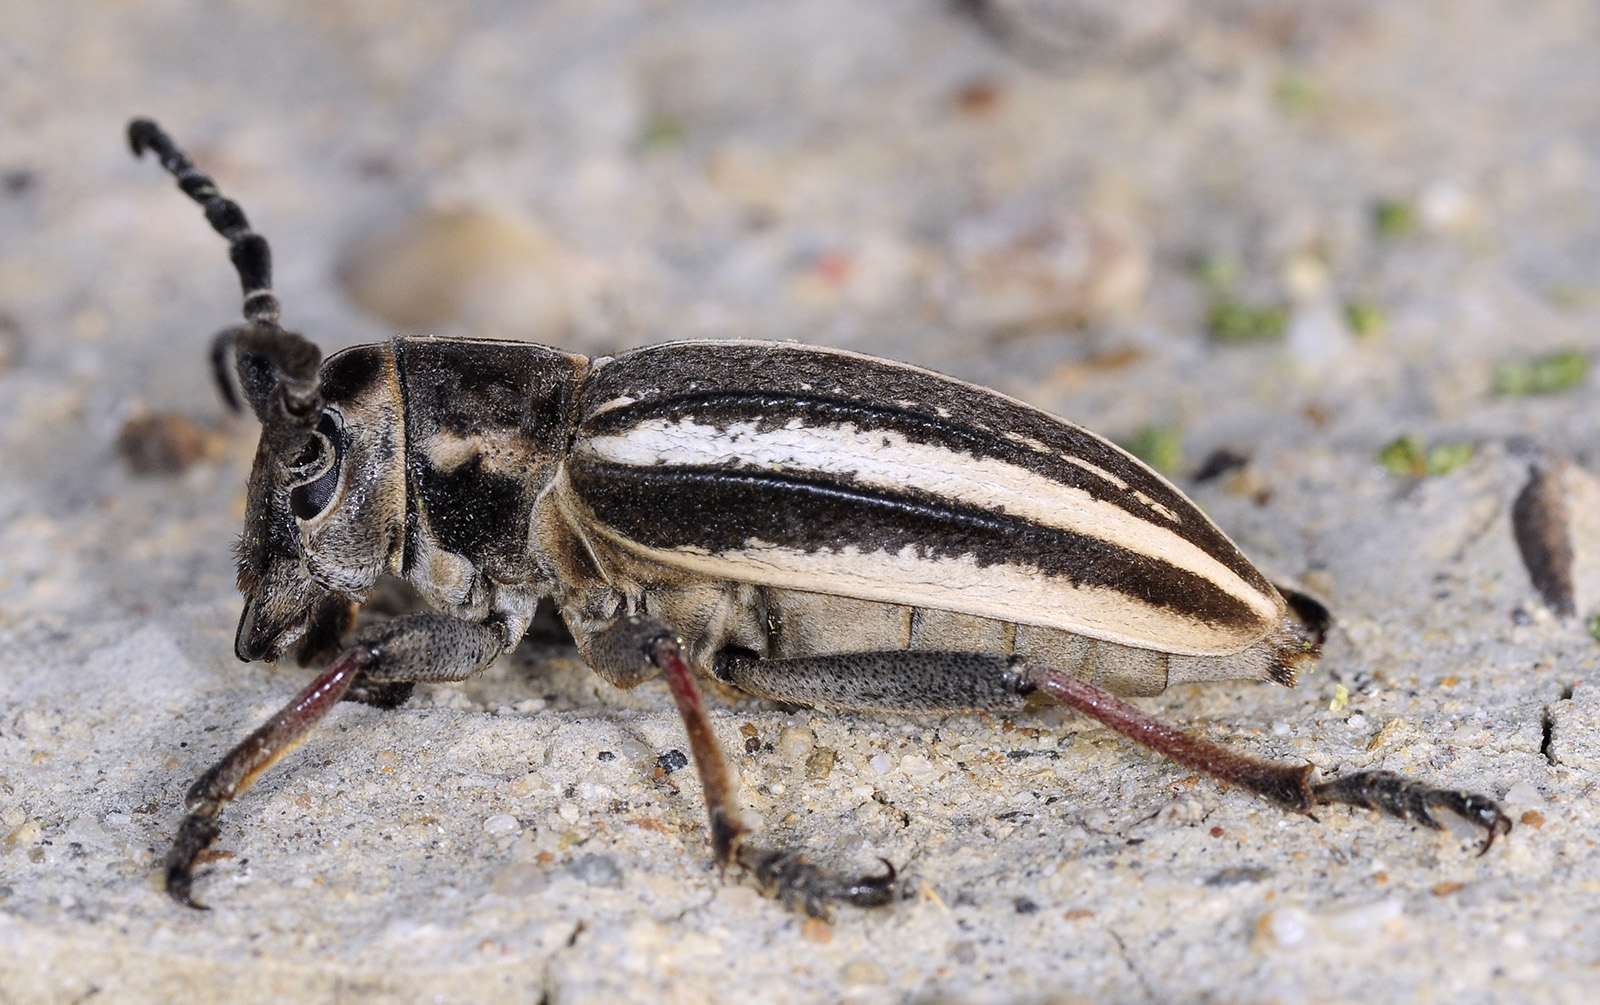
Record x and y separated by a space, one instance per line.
249 251
277 369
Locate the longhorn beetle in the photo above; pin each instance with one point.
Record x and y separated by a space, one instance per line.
808 525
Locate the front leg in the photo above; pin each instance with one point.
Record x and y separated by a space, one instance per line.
633 649
416 647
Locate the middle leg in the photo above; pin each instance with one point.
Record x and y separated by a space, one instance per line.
632 650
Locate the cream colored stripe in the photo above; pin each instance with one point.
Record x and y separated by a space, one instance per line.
1004 592
884 459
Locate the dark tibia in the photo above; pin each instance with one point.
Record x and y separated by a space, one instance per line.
632 650
722 801
379 666
1288 785
1407 799
243 764
1285 784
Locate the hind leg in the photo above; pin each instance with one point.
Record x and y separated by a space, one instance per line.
922 681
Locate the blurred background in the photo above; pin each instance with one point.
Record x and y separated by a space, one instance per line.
1070 199
1319 261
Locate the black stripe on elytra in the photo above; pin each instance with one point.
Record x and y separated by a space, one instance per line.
774 410
682 369
720 511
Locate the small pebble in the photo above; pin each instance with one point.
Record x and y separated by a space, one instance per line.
795 743
864 972
491 271
502 824
527 785
596 870
25 835
881 763
10 343
672 760
820 764
165 443
918 767
1524 794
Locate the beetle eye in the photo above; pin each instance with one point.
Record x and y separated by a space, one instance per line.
316 470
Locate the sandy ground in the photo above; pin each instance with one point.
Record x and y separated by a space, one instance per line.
1403 198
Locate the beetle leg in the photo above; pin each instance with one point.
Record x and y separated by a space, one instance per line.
1402 797
417 647
1287 785
931 681
632 650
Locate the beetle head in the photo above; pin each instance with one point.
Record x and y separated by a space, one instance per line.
325 505
327 490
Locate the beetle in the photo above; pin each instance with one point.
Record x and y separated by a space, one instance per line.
809 525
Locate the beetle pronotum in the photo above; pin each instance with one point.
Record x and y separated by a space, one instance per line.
807 524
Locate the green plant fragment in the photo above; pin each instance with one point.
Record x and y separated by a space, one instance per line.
1161 447
1298 93
1394 217
1446 457
1231 320
1545 374
1366 319
1407 457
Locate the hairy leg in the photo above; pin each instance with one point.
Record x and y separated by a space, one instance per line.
919 681
383 658
632 650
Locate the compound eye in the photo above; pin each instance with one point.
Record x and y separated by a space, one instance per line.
315 472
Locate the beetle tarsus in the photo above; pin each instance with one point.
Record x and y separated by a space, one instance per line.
1416 801
195 835
801 885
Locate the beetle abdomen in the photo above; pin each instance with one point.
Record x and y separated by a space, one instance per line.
818 470
800 624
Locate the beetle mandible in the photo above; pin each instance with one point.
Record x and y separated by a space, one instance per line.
808 525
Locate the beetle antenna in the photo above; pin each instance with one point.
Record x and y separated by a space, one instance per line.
249 250
277 369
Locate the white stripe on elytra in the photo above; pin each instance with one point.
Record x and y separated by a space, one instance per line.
1004 592
885 459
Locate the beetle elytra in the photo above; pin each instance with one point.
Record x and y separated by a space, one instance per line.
806 524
